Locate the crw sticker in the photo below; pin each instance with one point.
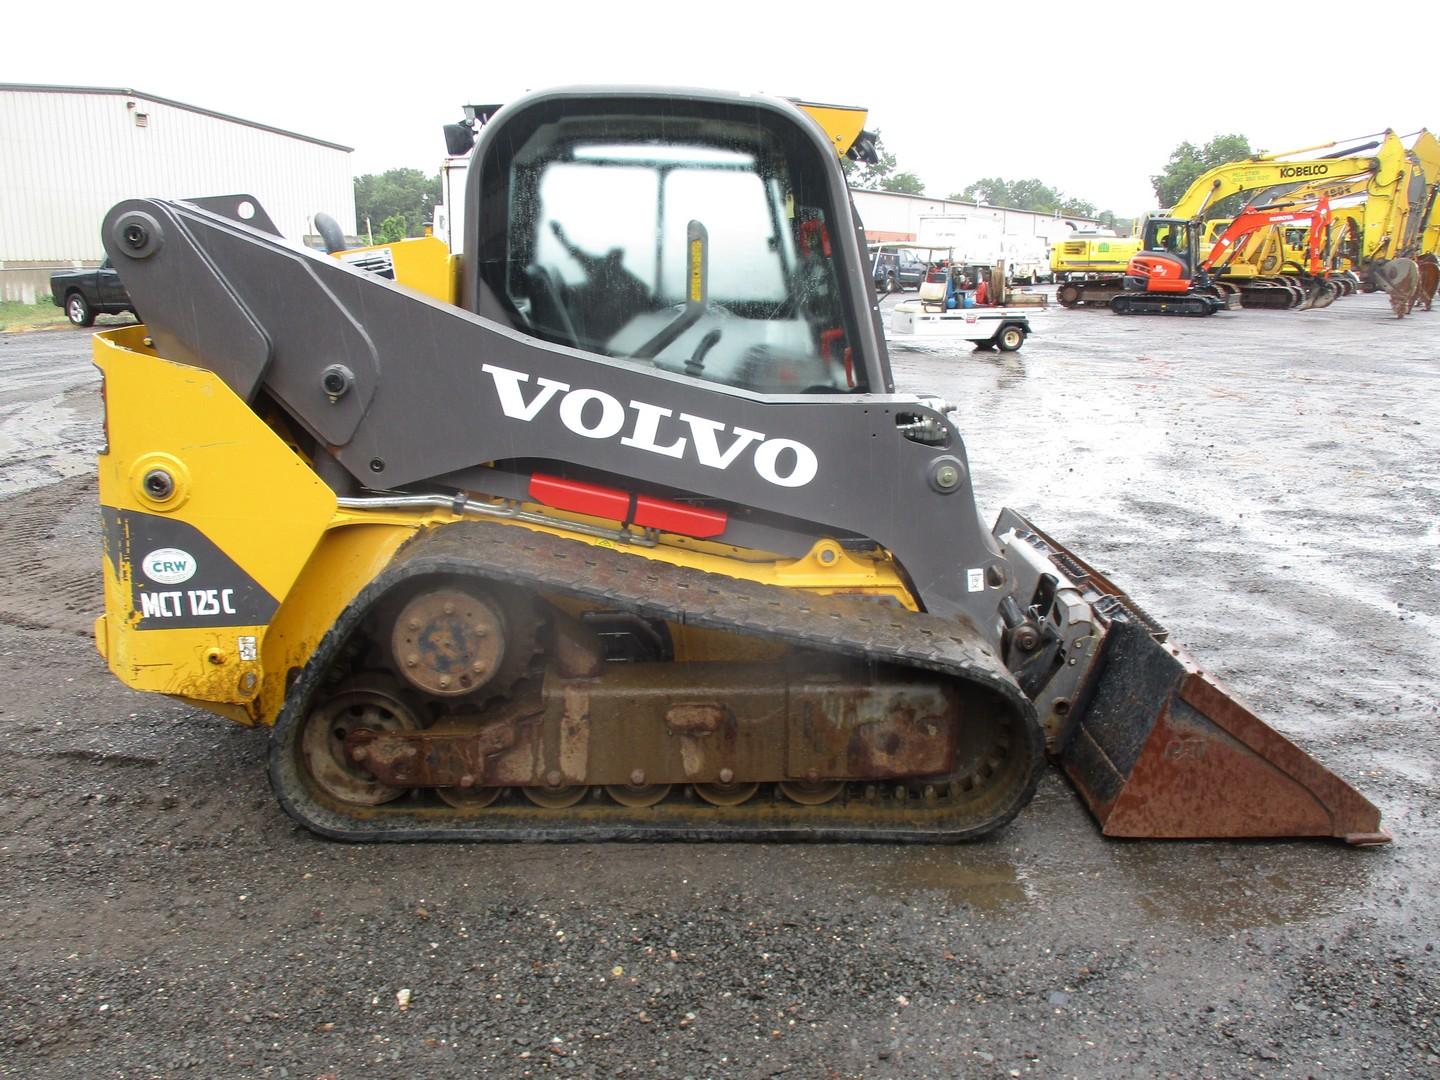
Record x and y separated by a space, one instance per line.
168 566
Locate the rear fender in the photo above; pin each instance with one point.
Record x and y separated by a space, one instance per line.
209 518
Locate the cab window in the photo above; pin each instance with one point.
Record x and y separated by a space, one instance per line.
1166 235
704 250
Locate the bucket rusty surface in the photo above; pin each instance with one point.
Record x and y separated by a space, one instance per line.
1162 750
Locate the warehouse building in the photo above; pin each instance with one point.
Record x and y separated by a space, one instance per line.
69 153
977 233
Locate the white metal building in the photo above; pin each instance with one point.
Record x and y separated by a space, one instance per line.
978 233
69 153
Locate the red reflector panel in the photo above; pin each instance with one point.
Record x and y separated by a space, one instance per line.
580 498
678 518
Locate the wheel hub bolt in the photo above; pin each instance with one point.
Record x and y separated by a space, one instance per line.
552 778
637 777
727 775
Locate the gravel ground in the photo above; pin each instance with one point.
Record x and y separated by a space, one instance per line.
1267 484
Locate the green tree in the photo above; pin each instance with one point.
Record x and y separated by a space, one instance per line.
882 176
391 229
1188 161
1120 225
1031 194
403 198
906 182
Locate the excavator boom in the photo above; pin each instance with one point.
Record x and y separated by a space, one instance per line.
1250 221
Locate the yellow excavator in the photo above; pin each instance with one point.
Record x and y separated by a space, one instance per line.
1378 216
1254 174
1423 231
616 527
1090 253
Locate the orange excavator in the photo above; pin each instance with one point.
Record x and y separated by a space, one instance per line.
1169 277
1313 287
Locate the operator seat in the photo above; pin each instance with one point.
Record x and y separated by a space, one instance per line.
549 317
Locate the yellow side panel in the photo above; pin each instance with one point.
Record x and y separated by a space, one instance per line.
1093 254
843 123
423 263
251 505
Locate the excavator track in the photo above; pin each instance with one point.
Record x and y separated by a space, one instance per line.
997 765
1191 304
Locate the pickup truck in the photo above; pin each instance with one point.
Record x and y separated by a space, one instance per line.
897 268
87 293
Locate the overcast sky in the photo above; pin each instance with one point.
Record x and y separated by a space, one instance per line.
958 90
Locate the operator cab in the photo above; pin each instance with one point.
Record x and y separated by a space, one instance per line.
1169 257
700 242
1169 236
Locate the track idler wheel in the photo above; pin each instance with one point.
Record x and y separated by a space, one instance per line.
366 703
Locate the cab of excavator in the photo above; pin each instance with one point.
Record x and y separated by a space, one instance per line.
707 237
1170 236
1169 256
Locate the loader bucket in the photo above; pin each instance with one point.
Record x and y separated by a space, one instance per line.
1163 750
1157 748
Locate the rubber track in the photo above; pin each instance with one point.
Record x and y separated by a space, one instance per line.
844 625
1163 304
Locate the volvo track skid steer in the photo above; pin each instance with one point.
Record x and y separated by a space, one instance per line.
617 528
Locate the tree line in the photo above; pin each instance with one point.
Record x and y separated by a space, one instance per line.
395 204
399 202
1187 161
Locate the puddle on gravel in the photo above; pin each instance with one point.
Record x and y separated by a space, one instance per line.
985 881
1222 886
1237 886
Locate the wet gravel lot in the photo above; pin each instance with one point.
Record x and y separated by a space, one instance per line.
1267 484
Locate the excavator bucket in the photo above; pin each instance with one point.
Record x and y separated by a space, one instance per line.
1322 293
1159 749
